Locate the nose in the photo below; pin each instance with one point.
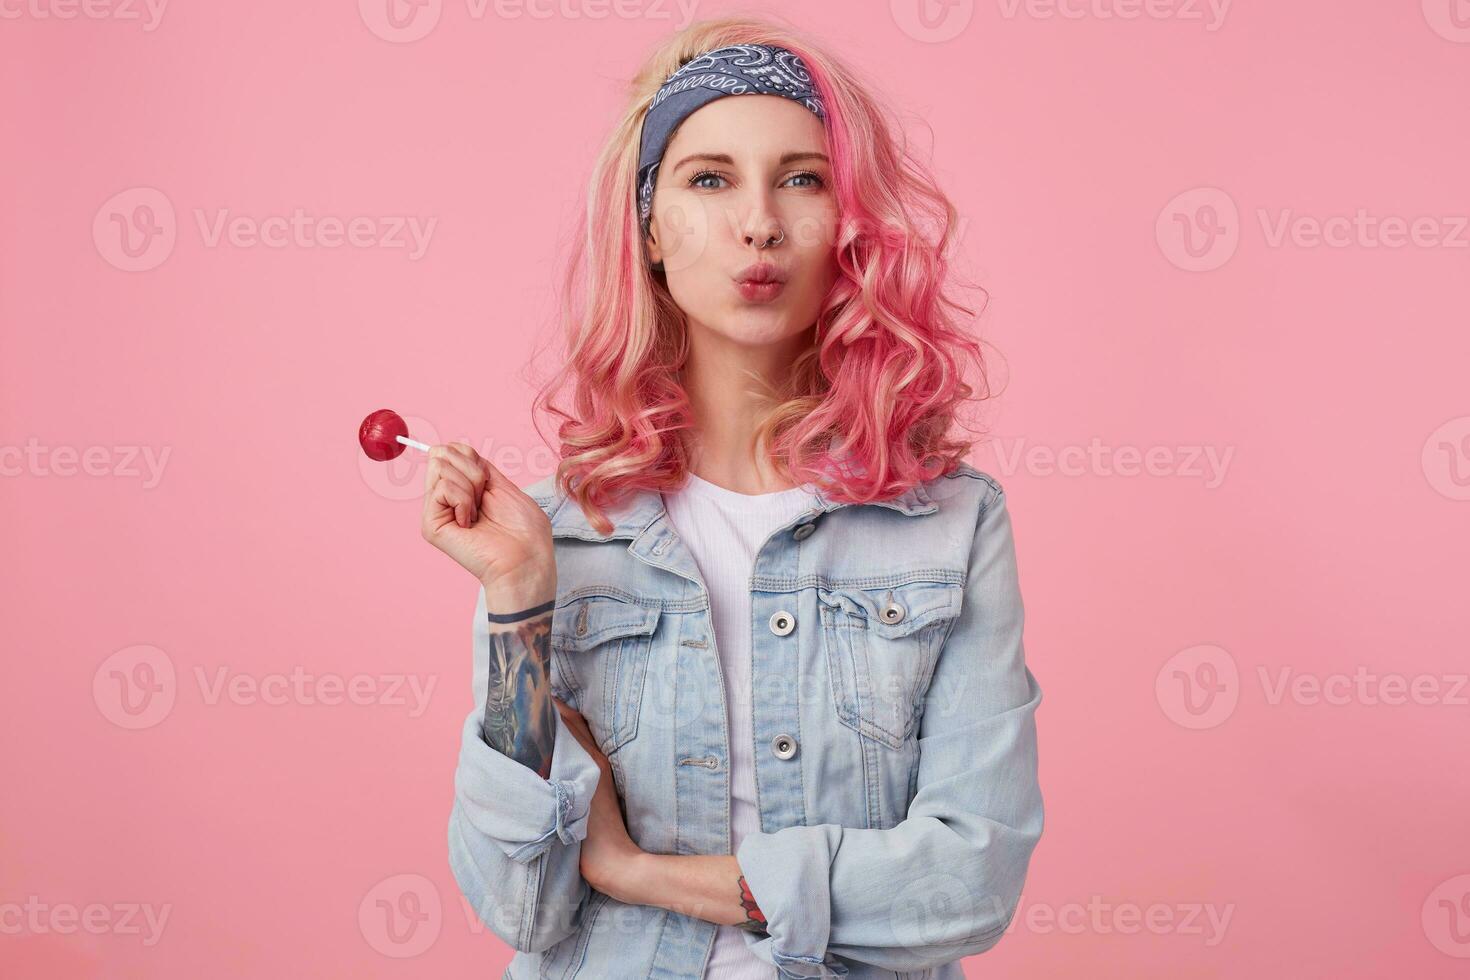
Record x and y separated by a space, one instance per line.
761 223
770 232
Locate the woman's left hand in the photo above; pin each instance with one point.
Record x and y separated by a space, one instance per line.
608 850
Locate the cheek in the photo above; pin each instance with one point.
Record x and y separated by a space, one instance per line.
817 283
685 231
815 230
818 261
692 296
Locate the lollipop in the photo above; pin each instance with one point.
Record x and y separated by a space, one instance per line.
384 434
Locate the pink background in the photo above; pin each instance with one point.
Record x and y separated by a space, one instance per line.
1096 159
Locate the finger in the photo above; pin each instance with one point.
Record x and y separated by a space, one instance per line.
450 496
470 463
457 480
494 477
450 457
438 466
448 474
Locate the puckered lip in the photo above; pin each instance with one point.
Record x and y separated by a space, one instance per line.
761 272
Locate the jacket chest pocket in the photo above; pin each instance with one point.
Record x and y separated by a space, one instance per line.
881 647
601 646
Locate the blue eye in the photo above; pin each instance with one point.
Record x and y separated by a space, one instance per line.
693 181
716 175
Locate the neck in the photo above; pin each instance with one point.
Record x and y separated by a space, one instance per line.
732 387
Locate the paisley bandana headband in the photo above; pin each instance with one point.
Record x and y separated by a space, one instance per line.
740 69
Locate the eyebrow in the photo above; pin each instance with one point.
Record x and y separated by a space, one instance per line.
727 159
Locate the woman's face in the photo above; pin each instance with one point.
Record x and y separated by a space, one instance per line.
737 172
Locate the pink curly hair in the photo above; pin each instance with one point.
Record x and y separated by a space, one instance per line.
865 412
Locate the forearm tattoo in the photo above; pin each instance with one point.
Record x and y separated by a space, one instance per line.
755 919
520 717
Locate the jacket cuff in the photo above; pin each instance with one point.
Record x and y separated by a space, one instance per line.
789 874
513 806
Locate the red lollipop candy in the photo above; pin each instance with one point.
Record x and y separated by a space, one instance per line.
383 435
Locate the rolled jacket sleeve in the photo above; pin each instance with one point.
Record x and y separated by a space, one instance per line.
515 838
513 807
944 883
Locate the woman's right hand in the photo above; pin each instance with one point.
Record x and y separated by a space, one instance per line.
477 516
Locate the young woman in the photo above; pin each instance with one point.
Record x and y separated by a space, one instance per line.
751 697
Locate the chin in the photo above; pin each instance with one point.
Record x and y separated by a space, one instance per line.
758 326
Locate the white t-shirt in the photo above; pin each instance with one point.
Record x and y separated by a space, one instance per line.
724 530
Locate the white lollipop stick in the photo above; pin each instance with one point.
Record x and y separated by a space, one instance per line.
412 442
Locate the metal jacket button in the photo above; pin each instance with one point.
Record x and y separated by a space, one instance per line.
782 622
803 532
892 612
783 746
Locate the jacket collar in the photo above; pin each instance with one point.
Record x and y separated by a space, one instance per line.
640 509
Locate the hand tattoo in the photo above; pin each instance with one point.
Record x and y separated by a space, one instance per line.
520 717
755 919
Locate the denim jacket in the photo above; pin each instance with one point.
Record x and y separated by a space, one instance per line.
895 743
